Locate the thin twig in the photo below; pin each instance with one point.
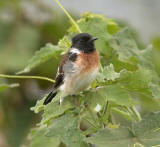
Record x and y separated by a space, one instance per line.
69 16
91 114
133 113
105 113
137 115
26 77
90 123
106 106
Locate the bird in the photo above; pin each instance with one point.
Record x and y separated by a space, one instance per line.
78 67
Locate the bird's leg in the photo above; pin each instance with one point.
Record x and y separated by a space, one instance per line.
61 101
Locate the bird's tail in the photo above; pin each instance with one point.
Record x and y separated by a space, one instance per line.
50 97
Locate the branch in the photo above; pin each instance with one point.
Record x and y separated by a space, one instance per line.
26 77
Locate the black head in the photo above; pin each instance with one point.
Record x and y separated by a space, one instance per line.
84 42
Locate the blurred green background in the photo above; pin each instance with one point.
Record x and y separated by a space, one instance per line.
25 26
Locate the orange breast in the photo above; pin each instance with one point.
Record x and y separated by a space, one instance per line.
88 61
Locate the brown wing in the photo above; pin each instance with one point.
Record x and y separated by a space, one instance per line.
65 67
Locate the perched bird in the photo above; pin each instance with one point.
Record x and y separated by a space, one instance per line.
78 68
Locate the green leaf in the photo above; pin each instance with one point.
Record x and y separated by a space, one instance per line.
136 81
40 140
148 130
115 93
139 85
128 55
125 46
41 56
146 133
119 65
145 58
94 97
39 105
121 112
111 138
52 105
6 86
155 89
108 74
53 110
125 51
65 128
65 43
118 95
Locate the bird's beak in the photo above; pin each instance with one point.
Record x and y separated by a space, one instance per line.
94 39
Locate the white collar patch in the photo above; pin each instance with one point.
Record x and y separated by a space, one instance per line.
75 50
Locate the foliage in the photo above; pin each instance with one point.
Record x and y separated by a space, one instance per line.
108 114
23 32
5 86
144 133
127 79
41 56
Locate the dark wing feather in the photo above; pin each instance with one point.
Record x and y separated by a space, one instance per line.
49 97
60 73
64 67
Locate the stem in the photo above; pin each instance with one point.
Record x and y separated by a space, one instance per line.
90 123
105 113
91 114
137 115
69 16
105 108
126 115
133 113
100 120
101 67
26 77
